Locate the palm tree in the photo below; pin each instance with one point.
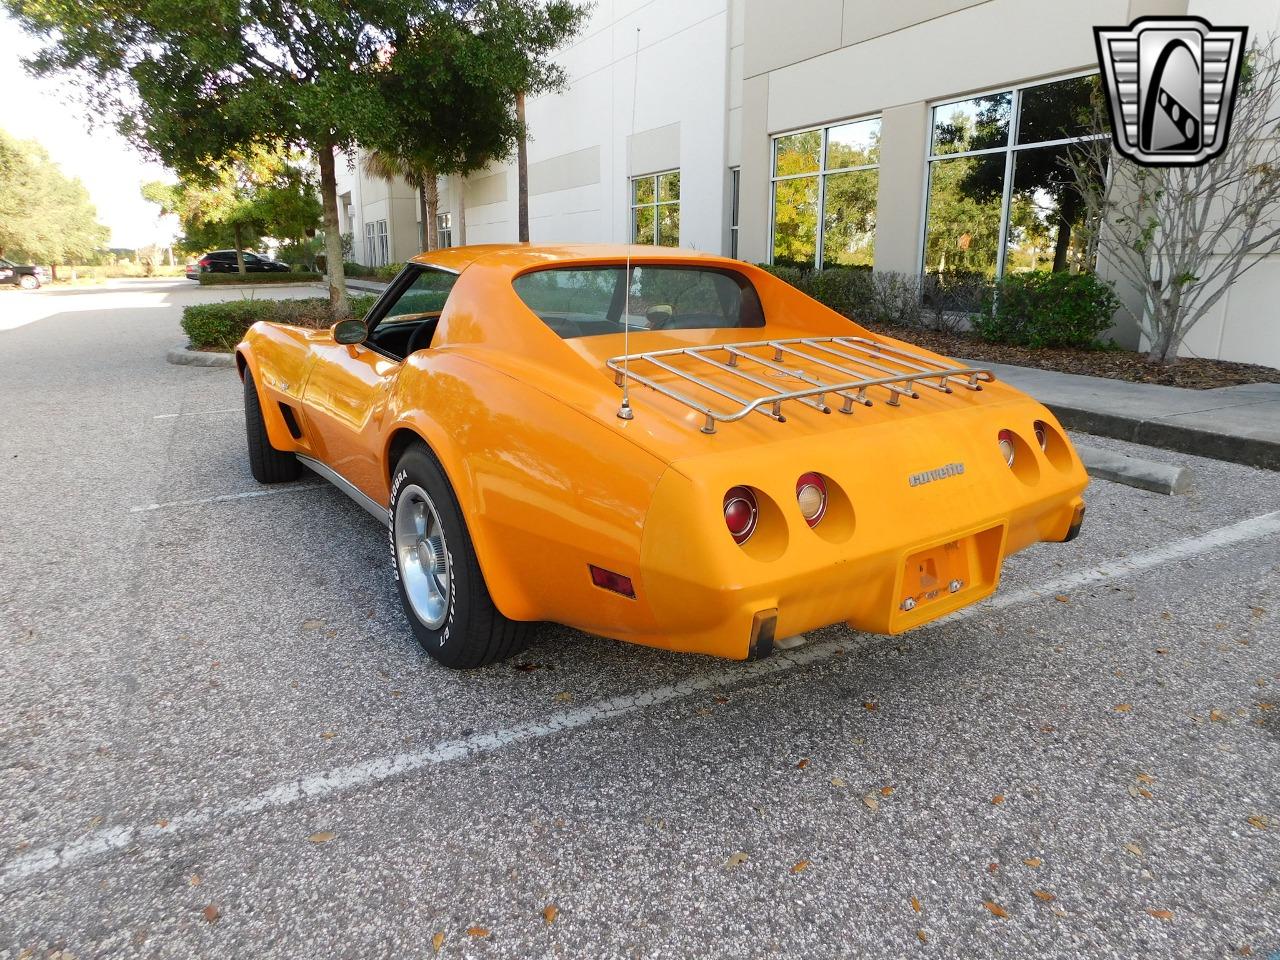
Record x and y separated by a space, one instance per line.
522 172
387 166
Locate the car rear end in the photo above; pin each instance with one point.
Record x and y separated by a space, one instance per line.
884 530
821 480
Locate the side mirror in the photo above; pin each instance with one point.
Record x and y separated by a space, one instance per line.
350 332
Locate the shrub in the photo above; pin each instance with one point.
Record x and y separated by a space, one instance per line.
896 299
220 326
388 272
847 290
1048 310
221 279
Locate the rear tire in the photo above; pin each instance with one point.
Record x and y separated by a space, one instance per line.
438 576
266 463
29 282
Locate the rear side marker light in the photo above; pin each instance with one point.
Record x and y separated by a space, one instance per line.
608 580
740 513
811 495
1006 446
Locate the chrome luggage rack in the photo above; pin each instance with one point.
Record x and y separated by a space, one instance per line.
861 363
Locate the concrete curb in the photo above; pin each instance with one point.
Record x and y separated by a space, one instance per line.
199 358
1133 472
365 286
294 285
1250 451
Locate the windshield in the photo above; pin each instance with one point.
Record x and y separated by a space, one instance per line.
590 301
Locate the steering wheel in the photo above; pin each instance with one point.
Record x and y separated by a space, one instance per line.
421 336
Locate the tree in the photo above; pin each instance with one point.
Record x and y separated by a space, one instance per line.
252 194
45 216
190 88
1183 235
389 166
452 91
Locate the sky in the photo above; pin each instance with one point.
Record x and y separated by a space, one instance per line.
111 170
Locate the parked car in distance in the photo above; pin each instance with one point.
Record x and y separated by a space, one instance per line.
224 261
25 275
653 445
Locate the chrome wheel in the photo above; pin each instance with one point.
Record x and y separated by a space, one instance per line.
422 556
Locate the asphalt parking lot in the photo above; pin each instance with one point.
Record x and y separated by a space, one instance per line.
219 738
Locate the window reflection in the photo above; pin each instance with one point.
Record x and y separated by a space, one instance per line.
849 221
795 222
655 209
1056 111
971 230
669 187
977 124
643 219
853 144
963 232
668 225
1045 215
797 153
836 163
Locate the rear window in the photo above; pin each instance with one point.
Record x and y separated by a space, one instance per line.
590 301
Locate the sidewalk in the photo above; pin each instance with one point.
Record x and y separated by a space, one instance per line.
1240 424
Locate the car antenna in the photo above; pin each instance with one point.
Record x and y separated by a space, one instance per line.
625 412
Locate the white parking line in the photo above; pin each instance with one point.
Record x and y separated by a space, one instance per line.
197 413
370 772
269 491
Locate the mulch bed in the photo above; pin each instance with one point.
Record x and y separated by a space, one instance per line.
1190 372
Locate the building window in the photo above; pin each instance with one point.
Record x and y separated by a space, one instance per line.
444 230
735 183
1000 199
655 209
828 177
377 248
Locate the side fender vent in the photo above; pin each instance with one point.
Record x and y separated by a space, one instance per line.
291 421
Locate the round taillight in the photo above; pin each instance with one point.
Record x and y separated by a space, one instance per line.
1006 446
1042 434
811 495
740 513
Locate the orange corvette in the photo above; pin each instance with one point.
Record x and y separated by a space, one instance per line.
689 454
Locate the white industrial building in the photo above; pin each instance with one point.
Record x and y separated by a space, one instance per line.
814 132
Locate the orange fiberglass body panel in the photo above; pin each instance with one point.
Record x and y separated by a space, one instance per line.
922 504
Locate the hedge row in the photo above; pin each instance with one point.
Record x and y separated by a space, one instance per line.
218 279
353 269
1026 309
220 326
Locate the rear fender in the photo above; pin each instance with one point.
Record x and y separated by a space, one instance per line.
545 490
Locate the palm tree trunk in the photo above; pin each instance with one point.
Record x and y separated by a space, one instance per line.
522 171
239 251
462 211
433 210
423 217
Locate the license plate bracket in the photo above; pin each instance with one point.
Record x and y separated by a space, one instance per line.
958 570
